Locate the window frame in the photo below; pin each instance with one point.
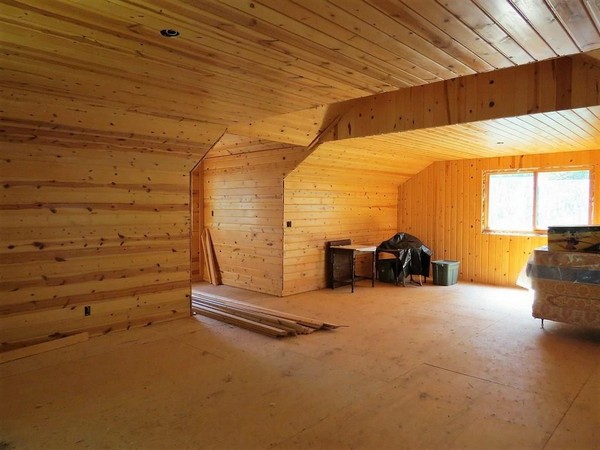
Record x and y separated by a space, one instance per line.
535 171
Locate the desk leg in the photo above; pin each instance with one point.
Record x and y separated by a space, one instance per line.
374 271
353 268
331 268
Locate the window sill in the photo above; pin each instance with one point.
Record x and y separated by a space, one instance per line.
516 233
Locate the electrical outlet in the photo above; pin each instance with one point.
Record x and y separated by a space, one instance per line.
87 310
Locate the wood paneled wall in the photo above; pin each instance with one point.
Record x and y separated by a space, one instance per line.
243 208
443 206
197 199
90 219
324 203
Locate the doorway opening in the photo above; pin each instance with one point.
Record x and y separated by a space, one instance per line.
196 226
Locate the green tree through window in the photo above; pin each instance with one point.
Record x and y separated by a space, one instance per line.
528 201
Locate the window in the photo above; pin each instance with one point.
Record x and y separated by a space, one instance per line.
529 201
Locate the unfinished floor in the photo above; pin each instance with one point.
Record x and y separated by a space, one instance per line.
432 367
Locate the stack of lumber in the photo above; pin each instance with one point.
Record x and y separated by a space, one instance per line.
208 251
255 318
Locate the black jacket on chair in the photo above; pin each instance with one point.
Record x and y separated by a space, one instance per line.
413 256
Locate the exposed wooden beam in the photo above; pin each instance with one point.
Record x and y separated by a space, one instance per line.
557 85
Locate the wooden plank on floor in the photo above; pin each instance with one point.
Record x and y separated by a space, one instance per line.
307 321
254 317
31 350
240 321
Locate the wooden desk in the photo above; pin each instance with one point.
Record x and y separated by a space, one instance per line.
350 252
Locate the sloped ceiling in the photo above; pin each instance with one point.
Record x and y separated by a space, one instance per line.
103 65
401 155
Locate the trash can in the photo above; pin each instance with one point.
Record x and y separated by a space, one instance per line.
445 273
385 270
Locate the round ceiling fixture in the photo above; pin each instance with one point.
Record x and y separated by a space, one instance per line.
169 32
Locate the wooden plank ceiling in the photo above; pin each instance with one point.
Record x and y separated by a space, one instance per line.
401 155
239 62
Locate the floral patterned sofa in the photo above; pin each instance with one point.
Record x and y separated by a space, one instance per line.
567 287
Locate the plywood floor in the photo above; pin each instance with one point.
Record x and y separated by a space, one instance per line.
430 367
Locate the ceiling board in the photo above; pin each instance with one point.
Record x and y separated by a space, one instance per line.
282 70
401 155
231 144
237 61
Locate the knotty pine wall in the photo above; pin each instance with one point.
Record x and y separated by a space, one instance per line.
243 209
325 203
91 219
443 206
197 225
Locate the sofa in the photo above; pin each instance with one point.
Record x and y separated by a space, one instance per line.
567 287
